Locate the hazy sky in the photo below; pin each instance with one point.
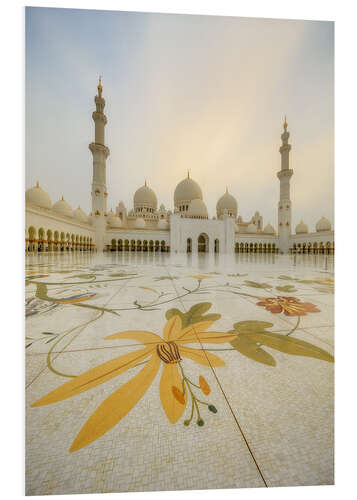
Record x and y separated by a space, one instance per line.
182 92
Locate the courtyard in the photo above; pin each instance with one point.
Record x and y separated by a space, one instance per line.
155 371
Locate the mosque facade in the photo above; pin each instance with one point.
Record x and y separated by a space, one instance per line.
147 227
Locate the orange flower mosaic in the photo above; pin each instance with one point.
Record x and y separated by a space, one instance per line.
174 385
289 305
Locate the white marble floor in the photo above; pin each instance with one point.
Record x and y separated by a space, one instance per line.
248 405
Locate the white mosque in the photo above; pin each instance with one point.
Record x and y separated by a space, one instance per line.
146 228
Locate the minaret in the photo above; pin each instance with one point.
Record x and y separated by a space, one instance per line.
284 206
99 184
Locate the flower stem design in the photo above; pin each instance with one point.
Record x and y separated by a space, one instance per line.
71 330
295 327
195 401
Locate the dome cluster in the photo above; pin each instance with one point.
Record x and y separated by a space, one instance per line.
40 198
188 201
322 224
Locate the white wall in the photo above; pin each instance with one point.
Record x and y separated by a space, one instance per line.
184 228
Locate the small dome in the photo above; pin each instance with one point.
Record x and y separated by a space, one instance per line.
140 223
37 196
80 215
145 197
227 204
63 208
197 209
186 191
323 225
162 224
113 220
252 228
301 228
269 229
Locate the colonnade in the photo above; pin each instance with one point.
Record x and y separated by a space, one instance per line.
40 240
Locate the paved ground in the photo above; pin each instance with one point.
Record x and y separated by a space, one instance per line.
158 372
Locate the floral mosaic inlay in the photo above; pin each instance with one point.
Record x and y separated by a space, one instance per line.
192 331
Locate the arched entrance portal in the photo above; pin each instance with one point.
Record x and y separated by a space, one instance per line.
203 243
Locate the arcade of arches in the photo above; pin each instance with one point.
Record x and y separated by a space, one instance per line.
125 245
39 240
256 248
327 248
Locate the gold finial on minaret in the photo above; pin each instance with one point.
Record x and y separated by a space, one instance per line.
285 123
226 189
37 184
100 88
188 174
145 183
62 198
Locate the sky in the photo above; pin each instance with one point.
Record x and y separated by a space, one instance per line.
200 93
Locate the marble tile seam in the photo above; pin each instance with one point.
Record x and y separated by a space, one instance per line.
231 410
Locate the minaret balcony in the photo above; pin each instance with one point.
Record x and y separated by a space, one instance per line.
99 100
284 148
285 174
95 147
99 116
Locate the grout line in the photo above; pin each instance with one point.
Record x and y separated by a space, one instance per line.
227 401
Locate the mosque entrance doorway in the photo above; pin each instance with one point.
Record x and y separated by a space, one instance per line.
203 243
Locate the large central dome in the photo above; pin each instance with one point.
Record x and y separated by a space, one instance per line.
186 191
145 198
